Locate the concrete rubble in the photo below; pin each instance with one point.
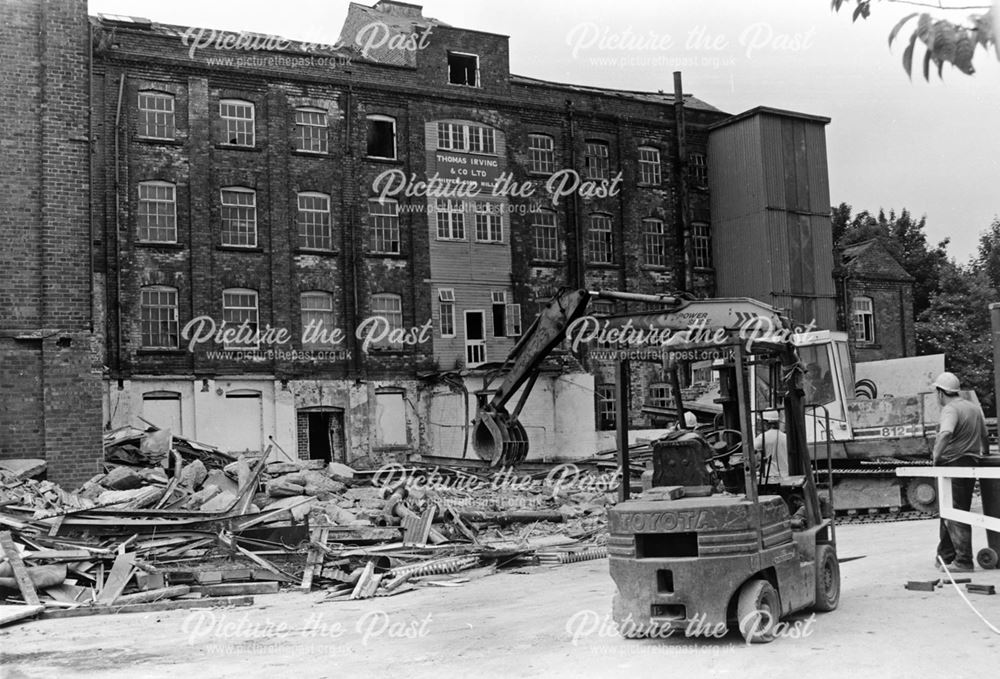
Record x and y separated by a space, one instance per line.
174 523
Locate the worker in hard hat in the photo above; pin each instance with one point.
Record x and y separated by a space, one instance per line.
961 442
772 446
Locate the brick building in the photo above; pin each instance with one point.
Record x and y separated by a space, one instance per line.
49 370
876 302
284 188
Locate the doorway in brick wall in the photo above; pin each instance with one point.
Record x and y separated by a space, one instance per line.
321 434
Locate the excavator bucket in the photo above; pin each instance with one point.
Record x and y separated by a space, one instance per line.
499 438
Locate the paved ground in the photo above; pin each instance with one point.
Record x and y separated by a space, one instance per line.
546 622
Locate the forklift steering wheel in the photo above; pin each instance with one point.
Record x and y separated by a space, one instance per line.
717 435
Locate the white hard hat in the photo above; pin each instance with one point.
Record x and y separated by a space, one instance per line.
771 416
947 382
689 419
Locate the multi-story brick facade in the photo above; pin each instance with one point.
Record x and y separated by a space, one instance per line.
234 187
49 380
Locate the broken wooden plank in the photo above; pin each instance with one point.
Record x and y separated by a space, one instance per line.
28 592
171 605
57 555
237 588
152 595
317 550
18 612
121 573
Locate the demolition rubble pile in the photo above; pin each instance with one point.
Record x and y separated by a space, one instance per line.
174 523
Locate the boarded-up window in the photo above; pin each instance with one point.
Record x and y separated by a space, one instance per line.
244 421
390 419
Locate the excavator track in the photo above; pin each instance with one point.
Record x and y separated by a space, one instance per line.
854 517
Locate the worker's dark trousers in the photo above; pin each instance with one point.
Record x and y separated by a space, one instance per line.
956 537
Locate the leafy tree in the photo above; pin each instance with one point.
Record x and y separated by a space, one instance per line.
904 237
943 40
957 324
988 259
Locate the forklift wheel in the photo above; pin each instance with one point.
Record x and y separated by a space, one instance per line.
827 578
987 558
758 610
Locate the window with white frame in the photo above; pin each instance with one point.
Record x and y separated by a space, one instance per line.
381 137
701 245
238 122
156 115
864 319
655 237
649 166
239 217
600 240
156 213
239 307
541 153
546 236
660 396
315 230
463 69
383 218
513 320
606 411
489 227
597 160
698 168
316 309
450 219
446 311
158 317
310 130
466 138
390 307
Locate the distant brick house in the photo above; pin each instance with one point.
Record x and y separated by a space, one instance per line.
875 302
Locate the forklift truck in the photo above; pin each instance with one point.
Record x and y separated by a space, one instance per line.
707 547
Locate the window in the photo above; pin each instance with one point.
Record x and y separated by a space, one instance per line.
470 138
660 396
499 298
864 320
156 115
600 241
446 307
541 153
606 412
315 232
513 320
656 242
238 119
381 137
602 307
389 307
649 166
239 308
156 216
384 221
546 236
449 220
489 228
463 69
596 160
699 168
701 245
239 217
317 319
310 130
158 317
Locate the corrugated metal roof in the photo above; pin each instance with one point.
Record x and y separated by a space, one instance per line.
632 95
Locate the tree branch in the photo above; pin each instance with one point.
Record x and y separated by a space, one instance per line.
938 5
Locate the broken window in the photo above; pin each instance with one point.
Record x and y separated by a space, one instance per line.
864 320
499 298
606 412
158 317
463 69
446 307
597 160
238 121
698 168
383 218
381 137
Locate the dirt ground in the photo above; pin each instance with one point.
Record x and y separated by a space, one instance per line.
538 622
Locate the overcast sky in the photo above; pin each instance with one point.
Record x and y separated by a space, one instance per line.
933 148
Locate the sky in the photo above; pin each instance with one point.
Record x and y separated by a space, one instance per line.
930 147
